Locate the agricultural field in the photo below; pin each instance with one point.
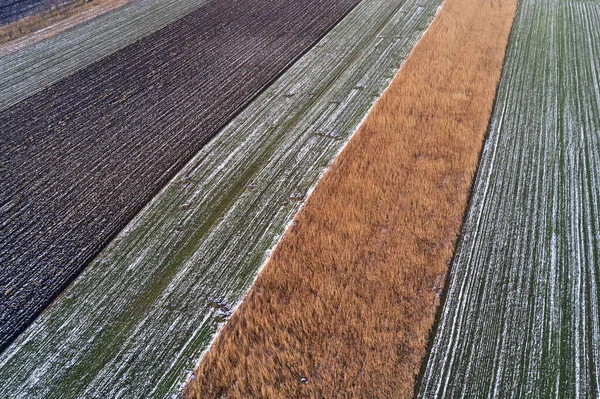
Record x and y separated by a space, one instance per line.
145 111
521 317
140 316
308 198
46 24
29 65
12 10
345 304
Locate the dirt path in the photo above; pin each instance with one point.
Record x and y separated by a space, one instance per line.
346 303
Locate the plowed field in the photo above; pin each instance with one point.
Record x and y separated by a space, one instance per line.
80 159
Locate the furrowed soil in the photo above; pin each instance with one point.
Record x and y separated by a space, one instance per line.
79 159
139 317
345 304
29 65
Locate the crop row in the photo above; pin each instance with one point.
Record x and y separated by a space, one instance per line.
13 10
139 317
344 306
522 316
82 157
28 66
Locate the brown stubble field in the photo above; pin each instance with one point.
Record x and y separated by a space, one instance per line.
347 301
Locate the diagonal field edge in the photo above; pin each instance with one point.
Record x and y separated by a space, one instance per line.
28 68
522 318
138 318
82 157
360 270
13 10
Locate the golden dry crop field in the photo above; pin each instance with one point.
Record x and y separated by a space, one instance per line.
299 198
346 304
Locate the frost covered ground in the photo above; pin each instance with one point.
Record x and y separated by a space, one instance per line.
522 317
32 68
80 159
12 10
139 317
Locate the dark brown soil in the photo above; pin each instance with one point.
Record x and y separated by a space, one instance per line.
81 158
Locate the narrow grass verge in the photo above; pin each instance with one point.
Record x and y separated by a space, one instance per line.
56 19
345 304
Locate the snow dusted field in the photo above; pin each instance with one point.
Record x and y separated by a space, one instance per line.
32 68
521 317
138 318
81 158
12 10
